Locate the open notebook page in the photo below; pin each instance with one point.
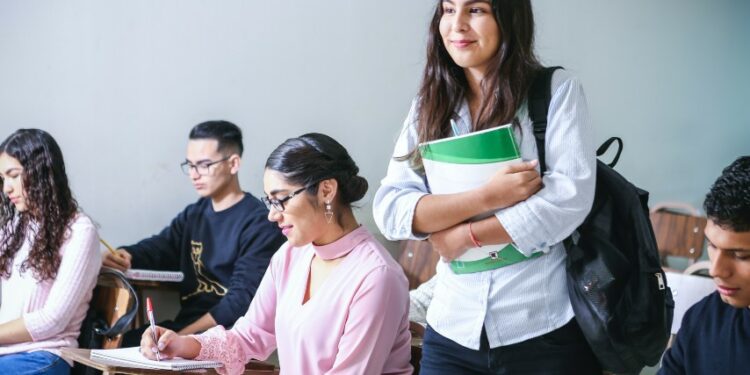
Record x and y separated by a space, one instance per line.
132 357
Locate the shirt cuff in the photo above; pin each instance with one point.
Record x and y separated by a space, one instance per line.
218 345
521 231
404 228
35 326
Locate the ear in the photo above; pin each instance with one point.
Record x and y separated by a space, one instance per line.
234 164
327 190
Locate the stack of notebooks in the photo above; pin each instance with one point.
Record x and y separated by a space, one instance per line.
464 162
132 357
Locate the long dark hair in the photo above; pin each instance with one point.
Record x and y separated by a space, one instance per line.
504 86
49 205
313 157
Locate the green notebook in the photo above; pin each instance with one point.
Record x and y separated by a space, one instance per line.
465 162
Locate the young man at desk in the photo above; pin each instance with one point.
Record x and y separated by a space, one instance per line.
222 243
715 334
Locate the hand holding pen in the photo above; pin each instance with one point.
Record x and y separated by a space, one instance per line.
152 327
117 259
158 343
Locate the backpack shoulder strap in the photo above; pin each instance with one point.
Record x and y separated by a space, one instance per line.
540 95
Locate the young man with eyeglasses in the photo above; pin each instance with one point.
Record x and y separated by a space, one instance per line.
222 243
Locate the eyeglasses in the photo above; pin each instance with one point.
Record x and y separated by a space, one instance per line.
278 204
202 169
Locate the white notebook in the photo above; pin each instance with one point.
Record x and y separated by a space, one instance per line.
132 357
153 275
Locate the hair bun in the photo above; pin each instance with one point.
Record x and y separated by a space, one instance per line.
354 189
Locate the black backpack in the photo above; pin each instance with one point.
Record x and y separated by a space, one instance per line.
94 328
615 281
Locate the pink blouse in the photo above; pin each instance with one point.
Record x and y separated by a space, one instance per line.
356 323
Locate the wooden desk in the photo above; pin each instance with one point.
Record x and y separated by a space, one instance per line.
83 356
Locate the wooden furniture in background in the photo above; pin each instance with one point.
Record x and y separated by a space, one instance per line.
418 261
111 299
679 231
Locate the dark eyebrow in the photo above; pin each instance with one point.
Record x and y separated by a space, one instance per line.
12 169
471 2
198 162
276 191
736 250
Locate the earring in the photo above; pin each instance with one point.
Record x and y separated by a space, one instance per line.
329 212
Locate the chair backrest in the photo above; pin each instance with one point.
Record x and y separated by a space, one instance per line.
418 261
114 301
677 233
700 268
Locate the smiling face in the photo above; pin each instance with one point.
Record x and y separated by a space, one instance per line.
302 220
11 172
729 252
470 33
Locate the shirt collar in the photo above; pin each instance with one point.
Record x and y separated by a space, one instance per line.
342 246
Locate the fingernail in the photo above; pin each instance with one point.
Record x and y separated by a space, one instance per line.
153 349
161 346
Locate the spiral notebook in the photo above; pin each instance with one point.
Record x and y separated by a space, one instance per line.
132 357
153 275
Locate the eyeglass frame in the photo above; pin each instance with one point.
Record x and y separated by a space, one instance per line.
278 204
195 167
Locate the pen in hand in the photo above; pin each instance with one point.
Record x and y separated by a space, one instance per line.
150 313
111 250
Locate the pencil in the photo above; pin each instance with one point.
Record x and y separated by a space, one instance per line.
111 250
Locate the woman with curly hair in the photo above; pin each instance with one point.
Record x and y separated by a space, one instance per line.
49 256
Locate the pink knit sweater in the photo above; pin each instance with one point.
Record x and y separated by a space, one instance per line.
54 309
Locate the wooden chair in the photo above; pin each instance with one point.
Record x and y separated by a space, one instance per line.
700 268
114 302
418 261
679 231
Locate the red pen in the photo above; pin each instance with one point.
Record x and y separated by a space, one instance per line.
150 313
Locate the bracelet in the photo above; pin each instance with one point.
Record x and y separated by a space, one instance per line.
473 238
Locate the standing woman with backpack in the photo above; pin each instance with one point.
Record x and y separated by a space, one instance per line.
516 318
49 256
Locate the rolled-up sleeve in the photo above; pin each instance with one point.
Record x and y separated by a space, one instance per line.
400 190
553 213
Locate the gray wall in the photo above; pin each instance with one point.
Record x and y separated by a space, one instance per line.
120 83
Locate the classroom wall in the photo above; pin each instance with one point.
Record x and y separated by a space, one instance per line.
120 83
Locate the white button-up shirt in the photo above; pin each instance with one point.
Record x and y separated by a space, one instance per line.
526 299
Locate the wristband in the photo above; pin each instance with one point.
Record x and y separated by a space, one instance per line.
473 238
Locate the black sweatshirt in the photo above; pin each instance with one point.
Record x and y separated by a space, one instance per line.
222 254
714 338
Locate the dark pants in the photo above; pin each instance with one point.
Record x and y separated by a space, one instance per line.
133 337
562 351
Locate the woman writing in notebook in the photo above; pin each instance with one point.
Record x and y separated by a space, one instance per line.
49 256
516 318
333 299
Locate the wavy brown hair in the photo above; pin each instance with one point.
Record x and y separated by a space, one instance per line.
504 88
50 206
